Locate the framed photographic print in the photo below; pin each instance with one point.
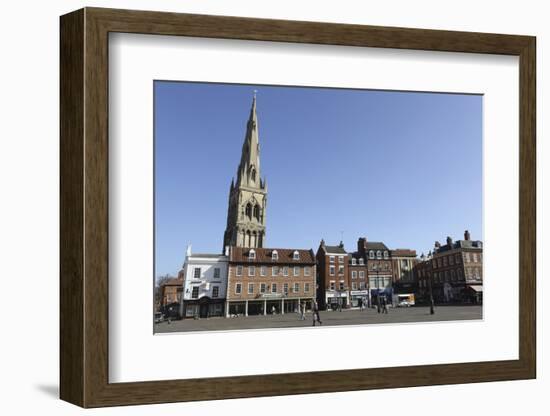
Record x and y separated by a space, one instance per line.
284 206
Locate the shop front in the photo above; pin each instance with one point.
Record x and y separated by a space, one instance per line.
358 298
337 300
203 307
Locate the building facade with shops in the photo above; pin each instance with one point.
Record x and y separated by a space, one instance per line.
264 281
204 285
403 261
333 276
454 270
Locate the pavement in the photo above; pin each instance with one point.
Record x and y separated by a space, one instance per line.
329 318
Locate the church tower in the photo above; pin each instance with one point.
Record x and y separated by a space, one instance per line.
248 195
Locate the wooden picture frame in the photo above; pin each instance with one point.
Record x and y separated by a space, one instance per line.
84 207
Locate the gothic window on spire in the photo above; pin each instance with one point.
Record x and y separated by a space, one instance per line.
253 174
248 211
257 212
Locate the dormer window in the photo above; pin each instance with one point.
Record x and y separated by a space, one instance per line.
378 254
295 255
371 254
274 255
251 255
361 262
385 254
353 261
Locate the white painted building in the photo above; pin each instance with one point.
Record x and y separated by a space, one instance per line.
204 285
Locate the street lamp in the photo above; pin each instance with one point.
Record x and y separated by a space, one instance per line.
430 277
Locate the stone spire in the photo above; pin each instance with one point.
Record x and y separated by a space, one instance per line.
248 195
248 173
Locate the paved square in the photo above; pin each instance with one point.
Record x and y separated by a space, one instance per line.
332 318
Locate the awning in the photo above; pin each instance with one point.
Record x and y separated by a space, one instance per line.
477 288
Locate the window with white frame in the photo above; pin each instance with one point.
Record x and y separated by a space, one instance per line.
215 291
371 254
197 273
386 255
274 255
378 254
296 271
273 287
275 271
216 273
251 254
195 292
263 271
285 271
307 271
332 285
306 287
296 288
262 287
239 271
340 270
362 285
353 261
331 259
340 259
361 262
285 288
238 288
251 271
354 274
361 274
296 255
332 270
342 285
250 288
354 286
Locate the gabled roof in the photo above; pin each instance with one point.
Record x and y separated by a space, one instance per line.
403 252
173 282
264 255
376 245
335 250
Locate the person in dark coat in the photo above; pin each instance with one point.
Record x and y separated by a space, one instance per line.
315 313
384 305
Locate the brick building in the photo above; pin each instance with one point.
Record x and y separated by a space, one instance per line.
171 291
379 267
332 276
265 280
455 270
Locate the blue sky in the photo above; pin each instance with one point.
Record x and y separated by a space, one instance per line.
404 168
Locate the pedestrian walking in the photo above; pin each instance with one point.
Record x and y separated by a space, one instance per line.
302 311
316 316
384 305
360 301
273 310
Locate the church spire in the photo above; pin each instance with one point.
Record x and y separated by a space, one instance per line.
246 213
248 173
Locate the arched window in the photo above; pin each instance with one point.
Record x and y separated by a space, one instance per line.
253 174
248 210
274 255
296 255
371 254
257 212
251 254
385 254
378 254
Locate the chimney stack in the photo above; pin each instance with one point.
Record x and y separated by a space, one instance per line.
449 242
466 235
362 245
